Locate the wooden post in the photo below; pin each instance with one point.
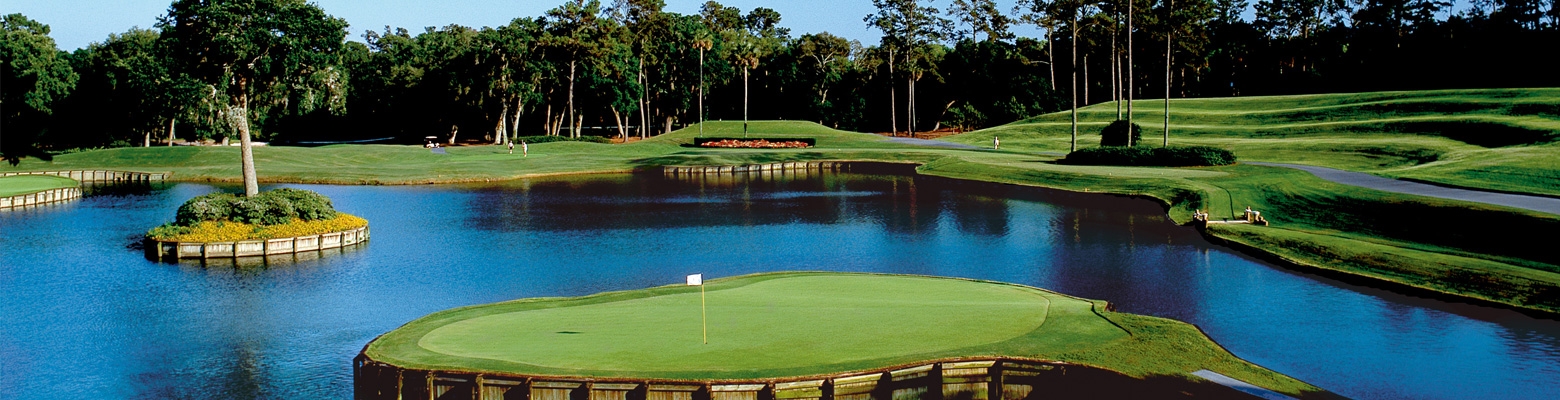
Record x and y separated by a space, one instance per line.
934 385
994 387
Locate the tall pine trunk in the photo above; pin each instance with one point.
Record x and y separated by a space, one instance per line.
644 99
246 144
574 132
1050 55
500 130
1169 40
622 131
893 98
1074 92
171 127
514 124
744 101
1115 71
1129 87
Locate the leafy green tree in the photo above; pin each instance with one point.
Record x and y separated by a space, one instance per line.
982 16
252 49
34 75
909 29
126 93
829 59
574 31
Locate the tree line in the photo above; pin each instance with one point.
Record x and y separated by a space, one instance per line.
283 69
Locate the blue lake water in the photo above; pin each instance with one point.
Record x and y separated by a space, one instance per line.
83 312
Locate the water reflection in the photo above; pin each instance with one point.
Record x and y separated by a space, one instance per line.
85 314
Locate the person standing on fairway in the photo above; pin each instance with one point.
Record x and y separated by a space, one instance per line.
525 149
511 147
995 143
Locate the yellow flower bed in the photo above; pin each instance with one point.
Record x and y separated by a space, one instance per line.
228 231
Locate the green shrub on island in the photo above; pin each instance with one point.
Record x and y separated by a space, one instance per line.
219 217
268 208
1144 156
1115 134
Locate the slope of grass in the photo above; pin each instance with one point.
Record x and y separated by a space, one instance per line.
1499 139
797 324
24 184
1487 240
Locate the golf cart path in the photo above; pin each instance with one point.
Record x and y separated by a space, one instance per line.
1242 386
932 143
1534 203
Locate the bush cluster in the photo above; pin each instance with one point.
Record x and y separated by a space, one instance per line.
1145 156
274 207
550 139
1115 134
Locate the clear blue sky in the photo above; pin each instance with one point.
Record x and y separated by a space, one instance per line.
76 23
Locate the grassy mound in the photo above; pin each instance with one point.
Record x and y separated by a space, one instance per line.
24 184
1501 139
795 324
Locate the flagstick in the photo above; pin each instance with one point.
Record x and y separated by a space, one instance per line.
704 320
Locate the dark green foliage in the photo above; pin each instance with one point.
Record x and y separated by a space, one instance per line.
269 208
210 207
550 139
305 205
1143 156
1115 134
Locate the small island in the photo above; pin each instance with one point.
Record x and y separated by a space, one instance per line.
280 221
796 335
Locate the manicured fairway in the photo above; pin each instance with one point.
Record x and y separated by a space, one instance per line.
24 184
764 325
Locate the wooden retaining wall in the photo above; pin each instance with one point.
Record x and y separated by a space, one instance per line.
40 198
100 175
961 379
161 250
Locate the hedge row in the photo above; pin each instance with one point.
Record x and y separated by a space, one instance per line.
550 139
273 207
1145 156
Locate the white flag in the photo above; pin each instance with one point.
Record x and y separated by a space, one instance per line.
695 279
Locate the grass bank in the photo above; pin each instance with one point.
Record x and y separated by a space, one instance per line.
1497 139
800 324
24 184
1489 253
1503 139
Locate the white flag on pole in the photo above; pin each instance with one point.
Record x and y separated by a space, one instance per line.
696 280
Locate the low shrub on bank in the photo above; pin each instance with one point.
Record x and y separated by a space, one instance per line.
1145 156
1116 133
550 139
219 217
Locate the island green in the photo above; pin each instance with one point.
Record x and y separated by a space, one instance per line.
25 184
793 324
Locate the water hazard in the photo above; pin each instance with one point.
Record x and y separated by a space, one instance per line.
84 312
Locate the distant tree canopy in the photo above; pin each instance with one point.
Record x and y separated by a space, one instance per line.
283 70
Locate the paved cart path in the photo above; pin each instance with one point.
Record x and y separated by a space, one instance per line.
1534 203
1240 385
933 143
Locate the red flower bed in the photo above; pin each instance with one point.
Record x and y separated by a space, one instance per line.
756 144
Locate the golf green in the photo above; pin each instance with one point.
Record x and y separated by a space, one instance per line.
24 184
768 325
